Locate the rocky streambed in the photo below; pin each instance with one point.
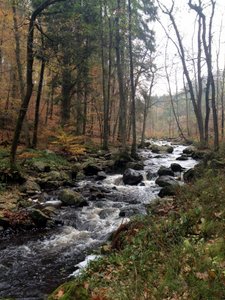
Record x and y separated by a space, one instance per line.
33 263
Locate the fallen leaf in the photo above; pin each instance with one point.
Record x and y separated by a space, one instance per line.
203 276
59 294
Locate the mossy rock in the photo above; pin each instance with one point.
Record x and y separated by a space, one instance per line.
70 197
30 187
41 166
38 217
70 291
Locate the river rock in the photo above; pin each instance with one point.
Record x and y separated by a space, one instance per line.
169 149
38 217
183 157
163 171
127 212
30 187
155 148
189 150
53 180
101 175
163 181
161 149
132 177
168 191
41 166
91 170
70 197
176 167
190 175
139 165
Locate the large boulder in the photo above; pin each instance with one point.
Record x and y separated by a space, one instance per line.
38 217
163 181
53 180
189 150
70 197
155 148
101 175
132 177
176 167
183 157
161 149
41 166
163 171
30 187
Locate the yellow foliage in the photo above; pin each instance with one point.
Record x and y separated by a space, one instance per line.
69 143
28 155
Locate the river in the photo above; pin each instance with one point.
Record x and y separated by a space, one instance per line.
32 264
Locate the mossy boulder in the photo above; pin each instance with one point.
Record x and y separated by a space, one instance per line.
163 181
41 166
30 187
70 197
189 150
161 149
163 171
38 217
54 179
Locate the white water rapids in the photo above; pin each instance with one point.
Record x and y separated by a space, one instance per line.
32 264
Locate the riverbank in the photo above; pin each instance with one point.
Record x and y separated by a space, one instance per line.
177 251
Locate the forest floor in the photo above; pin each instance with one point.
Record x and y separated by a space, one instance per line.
176 252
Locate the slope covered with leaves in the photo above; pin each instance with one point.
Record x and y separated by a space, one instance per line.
176 252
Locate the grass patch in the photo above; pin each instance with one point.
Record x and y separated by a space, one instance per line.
175 252
55 161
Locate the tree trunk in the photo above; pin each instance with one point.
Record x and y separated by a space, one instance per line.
104 91
37 107
20 69
132 84
222 104
120 75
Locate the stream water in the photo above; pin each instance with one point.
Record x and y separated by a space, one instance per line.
32 264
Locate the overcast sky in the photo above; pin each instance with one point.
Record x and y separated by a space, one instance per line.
185 19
